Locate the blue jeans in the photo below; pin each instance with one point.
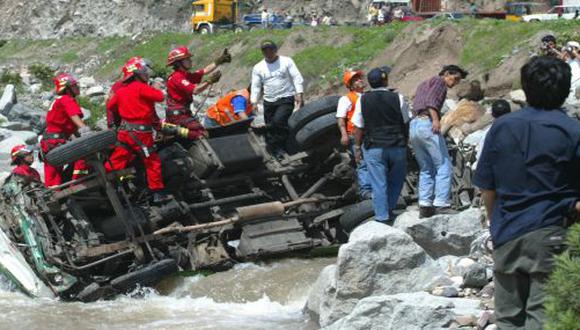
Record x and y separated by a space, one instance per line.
434 164
362 173
387 168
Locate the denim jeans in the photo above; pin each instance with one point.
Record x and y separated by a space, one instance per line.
434 164
387 168
362 173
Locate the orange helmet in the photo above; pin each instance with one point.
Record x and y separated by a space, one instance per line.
18 152
349 76
178 54
135 65
62 81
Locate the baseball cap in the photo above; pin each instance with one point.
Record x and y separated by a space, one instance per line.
376 76
268 44
574 44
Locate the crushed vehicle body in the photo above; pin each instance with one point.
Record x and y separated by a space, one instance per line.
100 236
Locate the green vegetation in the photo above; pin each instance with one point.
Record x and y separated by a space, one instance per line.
43 73
563 305
9 77
97 108
487 42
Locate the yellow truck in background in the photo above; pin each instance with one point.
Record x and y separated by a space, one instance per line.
210 15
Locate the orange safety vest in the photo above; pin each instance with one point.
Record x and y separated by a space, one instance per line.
353 97
223 112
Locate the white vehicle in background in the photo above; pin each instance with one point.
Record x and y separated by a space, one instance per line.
557 12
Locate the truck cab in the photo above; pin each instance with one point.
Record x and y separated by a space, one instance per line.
210 15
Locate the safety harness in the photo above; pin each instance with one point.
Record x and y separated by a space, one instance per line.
130 128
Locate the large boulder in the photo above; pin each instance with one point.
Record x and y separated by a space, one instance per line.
377 260
22 113
443 235
467 112
417 310
8 99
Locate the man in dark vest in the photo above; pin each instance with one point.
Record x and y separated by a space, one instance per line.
381 132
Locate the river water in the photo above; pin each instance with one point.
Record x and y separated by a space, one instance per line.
249 296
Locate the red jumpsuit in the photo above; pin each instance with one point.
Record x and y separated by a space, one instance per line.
113 119
180 87
24 170
136 105
59 122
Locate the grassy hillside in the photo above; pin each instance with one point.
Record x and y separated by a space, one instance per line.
322 54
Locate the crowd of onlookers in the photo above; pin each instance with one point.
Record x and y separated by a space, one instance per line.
569 53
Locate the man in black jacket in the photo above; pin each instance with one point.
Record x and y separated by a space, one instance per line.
381 134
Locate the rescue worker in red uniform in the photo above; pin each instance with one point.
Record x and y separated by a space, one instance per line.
135 102
23 157
233 107
183 84
64 118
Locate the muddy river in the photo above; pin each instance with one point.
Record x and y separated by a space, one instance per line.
249 296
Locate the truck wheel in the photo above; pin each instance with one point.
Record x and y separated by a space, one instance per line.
320 132
81 148
312 111
204 30
145 277
356 214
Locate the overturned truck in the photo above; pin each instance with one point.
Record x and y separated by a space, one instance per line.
100 236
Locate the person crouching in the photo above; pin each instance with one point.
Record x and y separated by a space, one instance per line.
22 158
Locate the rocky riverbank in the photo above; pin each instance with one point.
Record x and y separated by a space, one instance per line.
432 273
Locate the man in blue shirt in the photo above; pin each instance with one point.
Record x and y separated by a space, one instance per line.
529 173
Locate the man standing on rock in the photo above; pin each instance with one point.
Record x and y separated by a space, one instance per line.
381 118
282 87
429 145
353 81
530 179
182 85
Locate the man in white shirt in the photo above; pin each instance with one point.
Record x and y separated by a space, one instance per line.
572 57
381 119
283 90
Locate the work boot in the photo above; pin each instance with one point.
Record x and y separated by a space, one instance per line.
161 197
426 211
445 210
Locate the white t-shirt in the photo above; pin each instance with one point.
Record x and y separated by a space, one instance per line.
343 106
279 79
357 117
575 82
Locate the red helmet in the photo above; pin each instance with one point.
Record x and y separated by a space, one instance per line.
62 81
18 152
349 76
178 54
134 66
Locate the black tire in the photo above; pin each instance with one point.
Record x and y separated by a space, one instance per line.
320 132
355 214
312 111
145 277
81 148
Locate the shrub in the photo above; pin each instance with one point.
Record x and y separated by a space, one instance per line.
43 73
9 77
563 303
97 108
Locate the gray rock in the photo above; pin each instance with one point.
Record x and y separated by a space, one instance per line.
476 276
87 82
481 248
445 291
474 138
16 126
8 99
95 91
35 117
417 310
377 260
443 234
325 286
518 96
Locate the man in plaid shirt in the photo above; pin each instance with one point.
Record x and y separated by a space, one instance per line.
428 143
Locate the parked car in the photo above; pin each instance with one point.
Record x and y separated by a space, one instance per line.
448 16
557 12
275 21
